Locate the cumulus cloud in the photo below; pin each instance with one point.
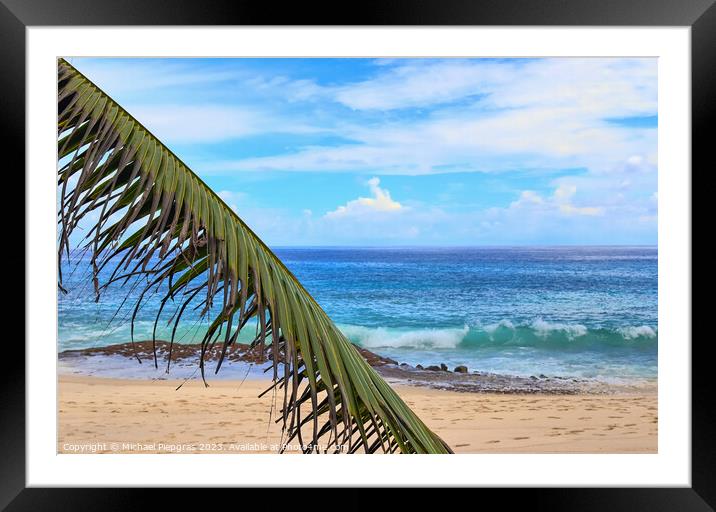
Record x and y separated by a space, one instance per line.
380 201
527 197
561 200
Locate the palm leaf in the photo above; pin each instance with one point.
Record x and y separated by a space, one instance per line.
155 222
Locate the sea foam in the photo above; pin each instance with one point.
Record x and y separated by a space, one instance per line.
535 333
419 338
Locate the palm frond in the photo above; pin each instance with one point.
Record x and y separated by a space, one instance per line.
154 220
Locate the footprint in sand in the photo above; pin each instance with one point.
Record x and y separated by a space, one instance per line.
461 445
519 438
495 418
554 417
493 441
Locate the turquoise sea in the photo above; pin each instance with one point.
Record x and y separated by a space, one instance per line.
587 312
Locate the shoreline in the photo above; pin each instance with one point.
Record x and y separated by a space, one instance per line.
106 415
122 361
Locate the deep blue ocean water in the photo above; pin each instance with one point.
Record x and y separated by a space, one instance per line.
559 311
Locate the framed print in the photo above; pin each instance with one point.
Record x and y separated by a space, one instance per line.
452 232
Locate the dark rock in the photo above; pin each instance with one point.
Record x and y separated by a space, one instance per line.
419 367
443 367
374 359
542 376
460 369
434 368
189 352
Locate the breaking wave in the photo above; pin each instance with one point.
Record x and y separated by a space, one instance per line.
537 333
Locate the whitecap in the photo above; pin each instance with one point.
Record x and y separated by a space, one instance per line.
376 337
633 332
543 328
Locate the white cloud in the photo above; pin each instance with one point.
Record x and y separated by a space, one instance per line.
543 113
292 90
616 87
467 116
379 202
232 199
211 123
416 84
197 123
561 200
569 213
570 209
522 114
538 139
527 197
536 222
122 76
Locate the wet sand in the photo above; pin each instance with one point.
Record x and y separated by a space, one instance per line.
106 415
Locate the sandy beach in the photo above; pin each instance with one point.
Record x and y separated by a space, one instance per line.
104 415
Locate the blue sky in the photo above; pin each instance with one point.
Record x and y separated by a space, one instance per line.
410 152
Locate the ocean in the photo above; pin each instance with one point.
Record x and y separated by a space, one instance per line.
584 312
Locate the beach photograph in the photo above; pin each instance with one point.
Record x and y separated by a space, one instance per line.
357 255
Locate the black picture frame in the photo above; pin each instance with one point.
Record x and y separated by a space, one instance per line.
16 15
